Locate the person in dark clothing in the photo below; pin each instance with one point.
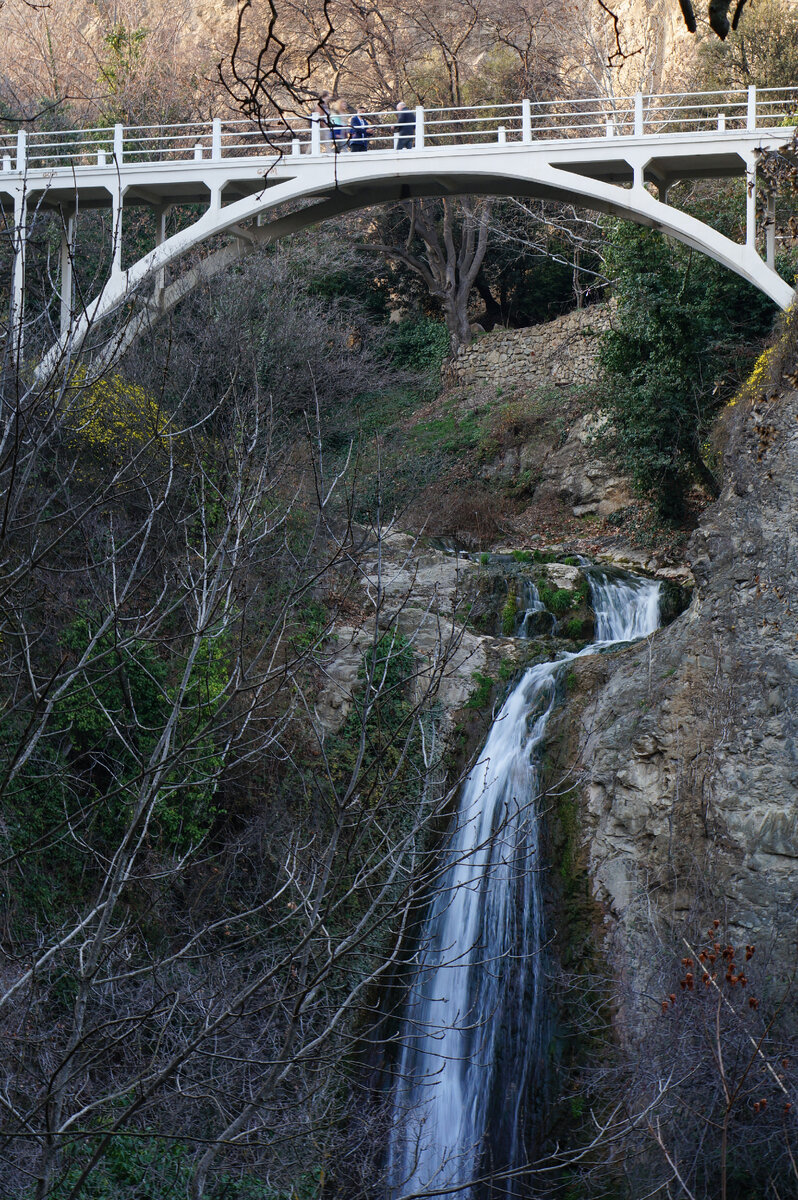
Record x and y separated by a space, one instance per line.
405 126
359 135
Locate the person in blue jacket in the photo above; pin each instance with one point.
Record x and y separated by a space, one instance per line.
405 126
359 132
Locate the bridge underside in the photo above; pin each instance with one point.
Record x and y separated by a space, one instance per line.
662 170
299 192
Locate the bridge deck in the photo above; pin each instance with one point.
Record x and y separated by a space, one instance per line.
661 139
261 183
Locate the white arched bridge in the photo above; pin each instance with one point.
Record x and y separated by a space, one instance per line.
260 182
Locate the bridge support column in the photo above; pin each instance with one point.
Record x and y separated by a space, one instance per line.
770 232
116 231
67 251
638 164
16 324
160 237
750 203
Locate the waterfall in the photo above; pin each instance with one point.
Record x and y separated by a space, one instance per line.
531 605
474 1026
626 606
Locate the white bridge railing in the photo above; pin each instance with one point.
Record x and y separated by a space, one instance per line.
524 121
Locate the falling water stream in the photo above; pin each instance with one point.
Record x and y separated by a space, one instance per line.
475 1027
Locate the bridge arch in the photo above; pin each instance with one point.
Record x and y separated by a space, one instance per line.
332 185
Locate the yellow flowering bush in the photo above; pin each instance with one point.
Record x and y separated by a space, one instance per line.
774 361
111 422
114 416
760 376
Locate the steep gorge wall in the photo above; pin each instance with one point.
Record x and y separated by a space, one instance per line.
687 747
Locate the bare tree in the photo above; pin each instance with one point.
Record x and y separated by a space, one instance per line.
453 237
80 62
698 1072
434 54
202 885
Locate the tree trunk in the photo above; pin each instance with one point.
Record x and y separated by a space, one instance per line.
454 250
455 311
494 310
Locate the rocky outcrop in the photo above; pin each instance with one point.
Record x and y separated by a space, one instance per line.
577 475
687 744
426 595
569 473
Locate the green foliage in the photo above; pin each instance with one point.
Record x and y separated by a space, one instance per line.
484 558
34 805
380 718
312 620
418 345
376 412
148 1167
481 697
679 345
352 284
507 669
521 556
557 600
509 613
124 50
567 815
450 433
126 681
581 593
113 714
573 628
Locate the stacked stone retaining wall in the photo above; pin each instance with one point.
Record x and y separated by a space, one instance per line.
559 352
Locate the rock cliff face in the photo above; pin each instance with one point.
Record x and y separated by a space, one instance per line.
650 49
688 743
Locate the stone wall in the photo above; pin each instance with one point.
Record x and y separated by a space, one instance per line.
560 352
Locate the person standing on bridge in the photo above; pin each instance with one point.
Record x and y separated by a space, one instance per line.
405 126
322 111
339 116
359 132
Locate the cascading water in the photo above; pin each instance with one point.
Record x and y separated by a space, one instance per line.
626 606
531 606
474 1027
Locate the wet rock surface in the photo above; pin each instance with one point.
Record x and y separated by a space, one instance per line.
428 595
